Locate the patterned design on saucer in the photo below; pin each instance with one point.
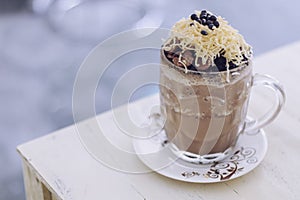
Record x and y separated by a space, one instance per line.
224 170
190 174
246 156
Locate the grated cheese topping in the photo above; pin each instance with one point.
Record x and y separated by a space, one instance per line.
224 40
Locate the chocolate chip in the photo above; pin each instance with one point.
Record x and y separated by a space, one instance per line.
220 62
216 23
194 17
209 22
213 18
222 68
203 32
203 12
203 21
232 65
203 17
210 26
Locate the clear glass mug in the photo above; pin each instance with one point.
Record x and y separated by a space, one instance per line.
205 112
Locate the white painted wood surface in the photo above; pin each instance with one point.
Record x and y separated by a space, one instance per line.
67 171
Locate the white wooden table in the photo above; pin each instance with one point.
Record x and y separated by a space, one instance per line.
57 166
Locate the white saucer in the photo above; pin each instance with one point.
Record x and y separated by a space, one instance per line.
155 153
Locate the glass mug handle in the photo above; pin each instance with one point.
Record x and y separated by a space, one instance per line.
253 126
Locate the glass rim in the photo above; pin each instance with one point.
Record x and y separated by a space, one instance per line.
188 71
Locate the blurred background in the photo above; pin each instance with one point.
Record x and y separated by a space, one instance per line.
43 43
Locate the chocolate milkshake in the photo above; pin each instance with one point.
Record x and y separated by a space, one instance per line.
205 81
